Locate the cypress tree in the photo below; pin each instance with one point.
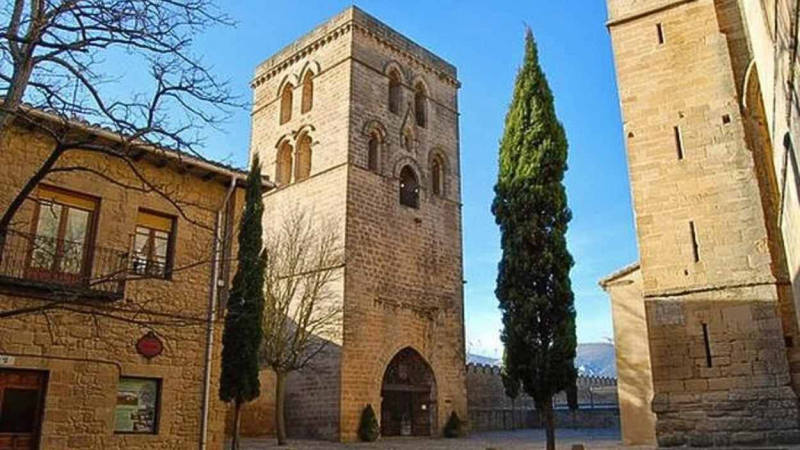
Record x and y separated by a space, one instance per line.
241 337
368 429
512 386
530 206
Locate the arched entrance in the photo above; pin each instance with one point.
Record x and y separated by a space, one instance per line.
408 392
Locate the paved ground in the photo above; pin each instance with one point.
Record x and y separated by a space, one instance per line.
499 440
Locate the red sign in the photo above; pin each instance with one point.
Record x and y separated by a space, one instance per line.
149 345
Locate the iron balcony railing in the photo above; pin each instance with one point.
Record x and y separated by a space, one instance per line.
43 262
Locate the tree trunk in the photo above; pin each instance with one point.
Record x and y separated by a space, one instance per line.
549 424
236 422
280 396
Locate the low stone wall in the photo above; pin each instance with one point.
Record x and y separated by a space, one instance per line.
501 419
490 408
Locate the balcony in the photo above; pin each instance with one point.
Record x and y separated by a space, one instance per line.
44 266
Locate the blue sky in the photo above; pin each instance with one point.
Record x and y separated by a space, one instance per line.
485 41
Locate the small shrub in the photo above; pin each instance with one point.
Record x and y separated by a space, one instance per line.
454 427
369 430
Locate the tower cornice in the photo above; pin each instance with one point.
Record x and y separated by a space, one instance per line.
361 22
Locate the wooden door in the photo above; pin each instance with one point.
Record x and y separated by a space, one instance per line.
21 408
396 413
421 413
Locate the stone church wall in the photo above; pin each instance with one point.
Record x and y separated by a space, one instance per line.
713 283
404 273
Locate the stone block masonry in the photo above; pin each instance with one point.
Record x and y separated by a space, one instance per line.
86 354
400 288
719 314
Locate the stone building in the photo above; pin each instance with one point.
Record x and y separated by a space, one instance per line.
358 126
128 358
709 107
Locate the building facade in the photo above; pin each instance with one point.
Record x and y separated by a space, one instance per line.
715 220
114 255
358 126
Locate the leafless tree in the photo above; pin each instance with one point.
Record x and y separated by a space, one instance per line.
51 57
303 313
54 82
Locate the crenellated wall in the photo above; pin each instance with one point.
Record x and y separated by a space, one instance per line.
490 408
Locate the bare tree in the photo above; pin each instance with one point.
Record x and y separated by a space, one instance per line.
51 53
53 84
303 313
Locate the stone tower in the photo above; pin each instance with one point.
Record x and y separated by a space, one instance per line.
358 125
720 318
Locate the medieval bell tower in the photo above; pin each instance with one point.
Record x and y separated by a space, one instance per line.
358 126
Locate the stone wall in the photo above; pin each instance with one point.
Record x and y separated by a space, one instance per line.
713 279
491 409
769 100
404 273
632 352
501 419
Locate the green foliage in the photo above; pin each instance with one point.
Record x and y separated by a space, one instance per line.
510 379
572 397
241 337
454 427
530 206
369 430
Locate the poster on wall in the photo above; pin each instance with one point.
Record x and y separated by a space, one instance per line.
137 403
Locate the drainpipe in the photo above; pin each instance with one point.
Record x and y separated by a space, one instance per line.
212 315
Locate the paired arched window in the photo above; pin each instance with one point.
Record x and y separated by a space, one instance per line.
395 92
286 103
373 156
409 188
437 175
420 105
308 93
303 164
283 164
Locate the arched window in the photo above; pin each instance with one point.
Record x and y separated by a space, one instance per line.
283 164
409 188
395 92
437 175
303 165
308 93
286 103
420 105
372 153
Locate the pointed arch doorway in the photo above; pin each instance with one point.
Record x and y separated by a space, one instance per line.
408 393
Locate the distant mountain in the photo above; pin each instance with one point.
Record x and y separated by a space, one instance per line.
594 359
485 360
